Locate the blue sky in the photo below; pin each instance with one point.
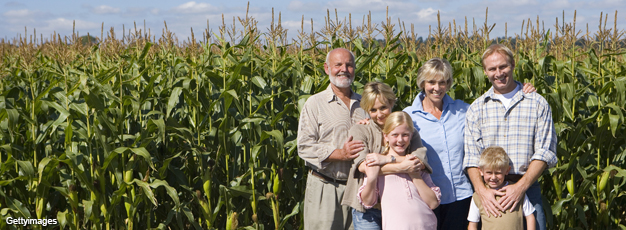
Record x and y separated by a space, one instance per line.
47 16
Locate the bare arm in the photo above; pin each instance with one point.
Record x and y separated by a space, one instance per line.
487 196
515 192
472 226
368 194
425 191
473 216
403 164
530 222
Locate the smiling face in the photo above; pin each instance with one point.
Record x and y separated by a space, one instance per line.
499 70
340 68
399 139
379 112
435 89
494 177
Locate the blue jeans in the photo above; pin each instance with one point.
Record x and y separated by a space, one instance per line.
370 219
534 195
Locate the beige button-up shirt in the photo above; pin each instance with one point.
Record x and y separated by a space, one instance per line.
323 127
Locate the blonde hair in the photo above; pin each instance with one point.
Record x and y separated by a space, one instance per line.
494 157
433 69
501 49
394 120
377 90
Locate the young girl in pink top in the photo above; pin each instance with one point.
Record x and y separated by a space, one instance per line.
406 200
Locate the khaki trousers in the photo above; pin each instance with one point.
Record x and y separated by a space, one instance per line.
322 205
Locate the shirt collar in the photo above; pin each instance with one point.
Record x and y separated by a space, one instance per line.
519 95
417 103
330 96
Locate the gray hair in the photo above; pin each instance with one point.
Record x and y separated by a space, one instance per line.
351 55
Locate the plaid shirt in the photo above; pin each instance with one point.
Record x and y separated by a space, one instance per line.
525 130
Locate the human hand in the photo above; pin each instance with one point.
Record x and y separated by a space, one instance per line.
364 121
513 195
529 88
351 149
411 164
416 175
372 171
489 202
375 159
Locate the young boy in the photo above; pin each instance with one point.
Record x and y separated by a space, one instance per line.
494 166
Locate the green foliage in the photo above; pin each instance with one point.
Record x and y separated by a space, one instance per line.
154 138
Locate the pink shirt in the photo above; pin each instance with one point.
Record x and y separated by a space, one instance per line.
402 206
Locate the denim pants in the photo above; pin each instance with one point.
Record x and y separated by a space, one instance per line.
368 220
534 195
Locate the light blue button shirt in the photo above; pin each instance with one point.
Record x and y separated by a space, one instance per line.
443 139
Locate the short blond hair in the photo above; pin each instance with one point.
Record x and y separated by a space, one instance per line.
494 157
433 69
377 90
501 49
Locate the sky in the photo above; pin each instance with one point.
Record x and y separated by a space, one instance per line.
19 18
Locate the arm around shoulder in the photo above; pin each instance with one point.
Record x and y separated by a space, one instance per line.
418 150
360 133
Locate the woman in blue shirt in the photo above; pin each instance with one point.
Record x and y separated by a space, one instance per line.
440 121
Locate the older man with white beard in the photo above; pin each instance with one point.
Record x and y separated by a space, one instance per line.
322 130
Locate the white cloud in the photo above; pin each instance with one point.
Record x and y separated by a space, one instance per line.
614 2
356 6
104 9
18 13
21 17
193 7
558 4
523 2
428 14
67 24
303 6
297 25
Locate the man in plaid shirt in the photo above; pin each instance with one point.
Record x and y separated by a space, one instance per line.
520 123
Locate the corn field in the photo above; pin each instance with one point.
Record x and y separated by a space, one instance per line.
145 132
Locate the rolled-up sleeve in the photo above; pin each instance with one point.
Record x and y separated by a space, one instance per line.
545 136
361 190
